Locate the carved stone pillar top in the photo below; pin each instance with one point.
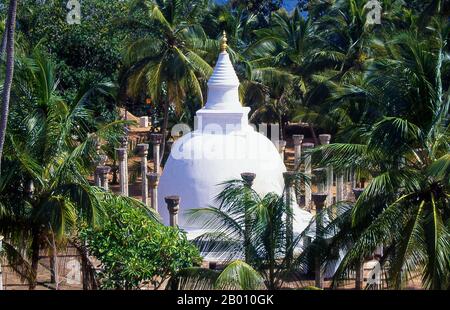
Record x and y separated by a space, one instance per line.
308 145
248 178
121 152
325 139
319 199
103 169
298 139
357 192
289 178
142 150
173 204
153 179
156 138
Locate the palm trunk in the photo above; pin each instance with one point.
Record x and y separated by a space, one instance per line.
10 29
163 130
359 277
54 263
87 269
313 134
35 247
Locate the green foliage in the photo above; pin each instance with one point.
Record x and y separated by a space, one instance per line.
135 250
381 90
250 226
90 50
235 276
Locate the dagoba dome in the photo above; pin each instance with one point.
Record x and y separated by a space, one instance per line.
222 146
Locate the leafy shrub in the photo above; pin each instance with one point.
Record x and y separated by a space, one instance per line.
136 250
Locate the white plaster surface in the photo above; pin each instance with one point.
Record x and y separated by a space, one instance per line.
222 147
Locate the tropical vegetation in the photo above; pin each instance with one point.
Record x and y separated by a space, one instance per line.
382 91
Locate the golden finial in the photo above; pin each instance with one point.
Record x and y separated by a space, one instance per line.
223 42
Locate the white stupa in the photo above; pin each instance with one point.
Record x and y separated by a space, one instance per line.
222 146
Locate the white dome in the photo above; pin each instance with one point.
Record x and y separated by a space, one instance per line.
222 147
200 162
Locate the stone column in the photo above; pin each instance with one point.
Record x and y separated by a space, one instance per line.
97 162
123 170
308 172
102 172
339 187
156 140
281 146
142 153
298 139
153 180
289 181
248 178
319 202
173 205
124 145
359 266
325 140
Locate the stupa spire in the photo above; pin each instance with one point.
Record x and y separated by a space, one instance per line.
223 85
224 42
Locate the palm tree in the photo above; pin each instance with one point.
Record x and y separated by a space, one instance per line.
402 142
292 44
45 194
235 276
6 91
248 226
167 60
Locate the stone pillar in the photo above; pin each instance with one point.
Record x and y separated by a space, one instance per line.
156 140
281 146
143 121
325 140
97 162
173 205
123 170
248 178
153 180
142 153
308 173
319 202
102 172
359 266
289 182
298 139
353 178
340 187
